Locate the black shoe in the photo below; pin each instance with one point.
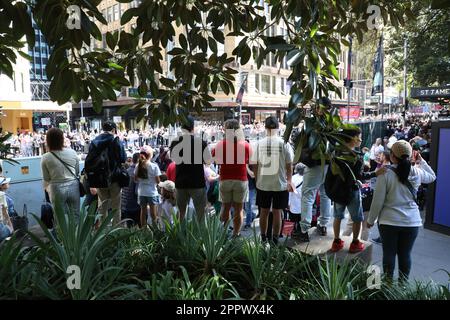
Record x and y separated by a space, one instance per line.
300 236
322 230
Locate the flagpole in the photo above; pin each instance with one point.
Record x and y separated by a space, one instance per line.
382 77
349 78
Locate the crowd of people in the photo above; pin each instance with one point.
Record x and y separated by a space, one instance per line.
224 170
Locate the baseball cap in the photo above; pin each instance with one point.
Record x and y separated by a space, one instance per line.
401 148
167 185
272 123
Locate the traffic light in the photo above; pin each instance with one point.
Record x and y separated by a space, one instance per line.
347 82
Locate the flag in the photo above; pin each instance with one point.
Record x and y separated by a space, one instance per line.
378 65
240 94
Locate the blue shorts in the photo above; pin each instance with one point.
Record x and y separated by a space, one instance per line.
144 201
354 208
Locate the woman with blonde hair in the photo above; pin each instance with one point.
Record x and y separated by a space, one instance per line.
147 175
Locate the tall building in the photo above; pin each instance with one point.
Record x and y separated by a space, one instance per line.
266 90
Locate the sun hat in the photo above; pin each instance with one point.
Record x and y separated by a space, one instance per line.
4 180
167 185
401 148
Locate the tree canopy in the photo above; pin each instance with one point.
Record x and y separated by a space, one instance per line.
316 31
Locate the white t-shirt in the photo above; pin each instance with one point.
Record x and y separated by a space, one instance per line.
4 204
271 154
295 198
166 211
147 187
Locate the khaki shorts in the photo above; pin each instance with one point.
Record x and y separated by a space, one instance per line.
233 191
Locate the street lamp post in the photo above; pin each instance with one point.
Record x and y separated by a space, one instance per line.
405 44
349 78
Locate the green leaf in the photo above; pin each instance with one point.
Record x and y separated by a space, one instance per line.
110 41
169 83
212 44
314 29
245 54
333 70
115 66
183 41
128 15
218 35
440 4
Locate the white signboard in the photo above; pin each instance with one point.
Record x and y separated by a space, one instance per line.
117 119
82 120
46 121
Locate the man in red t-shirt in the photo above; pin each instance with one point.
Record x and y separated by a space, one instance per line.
233 154
171 171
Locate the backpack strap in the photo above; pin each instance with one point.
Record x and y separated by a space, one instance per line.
66 166
407 184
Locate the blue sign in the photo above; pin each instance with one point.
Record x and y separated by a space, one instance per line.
133 92
441 207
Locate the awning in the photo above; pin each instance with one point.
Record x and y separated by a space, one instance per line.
35 106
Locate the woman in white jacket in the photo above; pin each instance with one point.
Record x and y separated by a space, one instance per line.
394 206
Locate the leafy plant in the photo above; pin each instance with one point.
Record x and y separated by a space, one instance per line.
79 244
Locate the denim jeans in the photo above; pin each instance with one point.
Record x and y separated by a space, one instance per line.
397 241
4 231
67 195
313 180
354 208
249 214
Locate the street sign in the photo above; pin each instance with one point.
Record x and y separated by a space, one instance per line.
82 120
354 112
117 119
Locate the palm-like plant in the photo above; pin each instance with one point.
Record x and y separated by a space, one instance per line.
79 244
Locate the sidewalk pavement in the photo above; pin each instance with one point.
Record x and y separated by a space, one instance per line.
431 252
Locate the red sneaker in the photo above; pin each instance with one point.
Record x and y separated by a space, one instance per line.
337 245
355 247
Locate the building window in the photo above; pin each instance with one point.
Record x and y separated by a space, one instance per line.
274 85
257 89
22 82
274 60
116 12
282 81
110 14
104 41
14 81
288 86
265 83
104 14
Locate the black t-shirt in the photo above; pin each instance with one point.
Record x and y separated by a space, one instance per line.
189 168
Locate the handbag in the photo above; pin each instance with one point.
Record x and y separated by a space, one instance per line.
123 178
80 185
47 215
20 223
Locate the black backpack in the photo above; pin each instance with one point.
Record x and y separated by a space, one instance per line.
338 190
97 168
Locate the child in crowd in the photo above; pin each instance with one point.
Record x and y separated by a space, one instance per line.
167 209
6 226
147 175
295 198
